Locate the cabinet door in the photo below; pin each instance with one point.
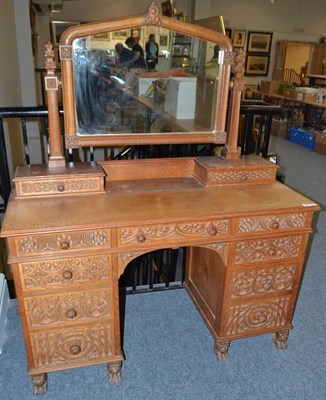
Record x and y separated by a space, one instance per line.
318 62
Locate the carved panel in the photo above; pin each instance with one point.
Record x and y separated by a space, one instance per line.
65 271
153 15
63 186
237 176
71 141
56 309
126 258
250 317
263 280
271 222
72 346
62 242
173 231
65 52
51 83
220 248
267 249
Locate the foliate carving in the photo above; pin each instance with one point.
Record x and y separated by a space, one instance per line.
238 70
51 83
281 339
228 57
262 280
70 185
153 15
220 248
53 242
220 137
245 318
241 176
71 141
69 346
44 311
126 258
238 85
114 371
65 52
49 58
272 222
49 273
175 231
267 249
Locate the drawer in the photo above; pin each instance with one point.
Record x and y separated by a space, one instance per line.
277 248
263 280
262 316
56 309
182 232
65 272
63 242
273 223
65 347
241 175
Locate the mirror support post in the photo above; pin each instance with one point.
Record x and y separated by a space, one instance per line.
51 86
230 149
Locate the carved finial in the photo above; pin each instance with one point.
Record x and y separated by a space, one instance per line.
50 64
153 15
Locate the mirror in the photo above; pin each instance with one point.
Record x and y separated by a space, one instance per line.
172 91
113 96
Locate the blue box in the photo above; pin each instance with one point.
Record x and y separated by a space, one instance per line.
303 137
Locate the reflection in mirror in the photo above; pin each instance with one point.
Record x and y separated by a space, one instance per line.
158 81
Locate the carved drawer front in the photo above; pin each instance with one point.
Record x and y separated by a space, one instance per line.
277 248
272 223
263 280
45 311
63 242
253 316
181 232
241 175
65 271
73 346
58 186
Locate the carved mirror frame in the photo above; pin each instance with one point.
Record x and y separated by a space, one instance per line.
223 131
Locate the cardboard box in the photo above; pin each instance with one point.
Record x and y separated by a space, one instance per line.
180 99
280 128
305 138
306 94
206 101
270 87
320 142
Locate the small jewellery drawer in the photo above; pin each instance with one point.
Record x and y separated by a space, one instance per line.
62 242
55 309
71 346
276 222
241 175
65 271
181 232
276 248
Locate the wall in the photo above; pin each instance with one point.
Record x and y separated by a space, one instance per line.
297 55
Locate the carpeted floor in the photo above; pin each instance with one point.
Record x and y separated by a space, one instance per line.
169 351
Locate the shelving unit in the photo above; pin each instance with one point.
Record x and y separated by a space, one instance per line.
181 50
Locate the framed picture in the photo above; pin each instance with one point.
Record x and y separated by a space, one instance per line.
135 33
57 29
228 33
239 38
257 65
163 41
120 35
259 42
101 36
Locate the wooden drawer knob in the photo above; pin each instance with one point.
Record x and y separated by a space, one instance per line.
141 238
67 275
61 188
212 232
71 313
75 349
275 225
244 177
64 245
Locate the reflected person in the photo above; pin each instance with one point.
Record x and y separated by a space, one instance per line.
151 49
137 60
124 54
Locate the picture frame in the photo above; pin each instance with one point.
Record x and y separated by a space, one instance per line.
135 33
120 35
228 33
257 65
239 38
57 29
102 36
259 42
163 40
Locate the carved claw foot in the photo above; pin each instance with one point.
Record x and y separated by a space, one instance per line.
221 350
114 371
40 383
281 339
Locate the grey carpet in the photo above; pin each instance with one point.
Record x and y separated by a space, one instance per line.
169 351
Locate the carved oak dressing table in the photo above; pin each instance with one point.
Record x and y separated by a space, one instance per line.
73 228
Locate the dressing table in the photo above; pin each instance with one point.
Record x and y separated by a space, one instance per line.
72 228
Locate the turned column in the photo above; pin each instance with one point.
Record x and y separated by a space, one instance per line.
51 86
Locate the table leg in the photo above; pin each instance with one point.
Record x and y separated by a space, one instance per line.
221 350
40 383
114 371
281 339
